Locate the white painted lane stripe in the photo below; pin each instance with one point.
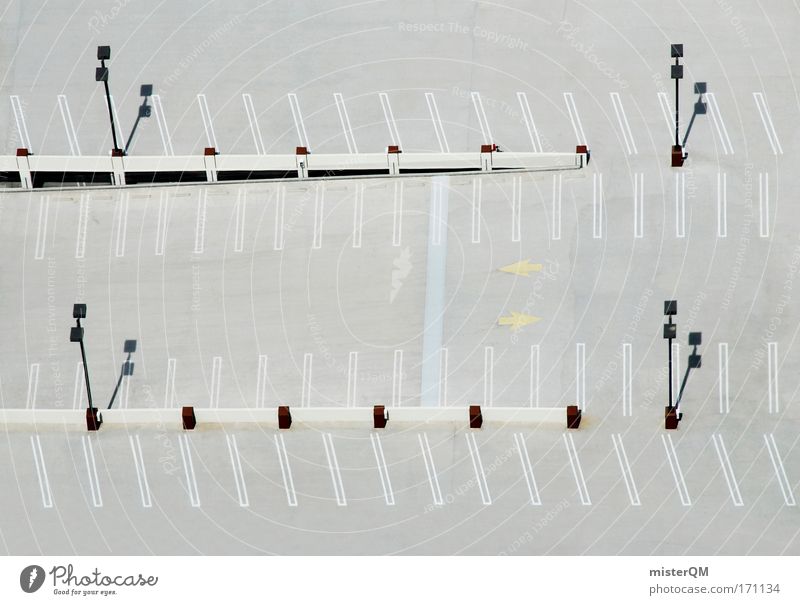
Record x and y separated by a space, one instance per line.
577 127
397 215
437 122
141 472
123 206
430 469
91 472
238 474
279 212
529 123
627 379
675 467
77 394
41 472
358 215
126 384
486 132
394 134
319 215
766 120
166 139
580 375
352 378
557 182
719 124
286 470
680 204
299 125
488 376
533 399
669 115
211 138
722 204
383 469
252 119
163 217
724 400
22 127
200 225
33 386
527 469
41 227
83 226
763 204
624 126
397 379
333 466
169 392
305 397
516 209
780 472
727 470
261 382
241 207
443 376
188 468
69 127
772 365
477 465
638 205
477 195
577 471
438 214
597 205
120 134
216 380
625 467
347 129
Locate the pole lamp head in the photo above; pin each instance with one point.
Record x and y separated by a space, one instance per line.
103 53
101 74
76 334
670 307
676 51
79 311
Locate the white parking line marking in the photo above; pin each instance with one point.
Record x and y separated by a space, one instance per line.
580 375
477 465
438 218
238 474
527 469
122 224
597 206
41 227
252 119
383 469
161 119
669 115
722 204
529 123
299 125
477 102
188 468
141 472
430 469
575 118
286 470
677 474
33 386
556 232
780 472
241 207
169 392
680 204
766 120
772 364
211 138
624 126
638 204
625 467
83 226
347 129
488 376
333 466
358 215
69 127
533 399
22 127
216 379
397 379
352 378
437 122
477 196
763 204
120 134
200 225
516 209
163 217
719 124
280 204
397 214
77 394
727 470
91 472
627 379
443 377
261 382
724 400
319 215
305 396
41 472
388 115
577 471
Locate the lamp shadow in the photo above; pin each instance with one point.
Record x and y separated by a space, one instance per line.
125 370
144 111
695 361
700 108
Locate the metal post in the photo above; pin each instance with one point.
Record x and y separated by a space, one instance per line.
86 371
670 366
677 142
111 113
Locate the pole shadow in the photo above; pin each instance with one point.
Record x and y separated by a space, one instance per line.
695 362
700 108
145 111
125 370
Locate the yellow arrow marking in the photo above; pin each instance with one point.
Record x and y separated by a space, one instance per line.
523 267
516 320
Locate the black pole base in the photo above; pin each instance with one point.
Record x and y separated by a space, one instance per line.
677 156
93 419
671 418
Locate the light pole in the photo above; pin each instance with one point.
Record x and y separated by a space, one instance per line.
670 332
93 421
101 75
676 52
